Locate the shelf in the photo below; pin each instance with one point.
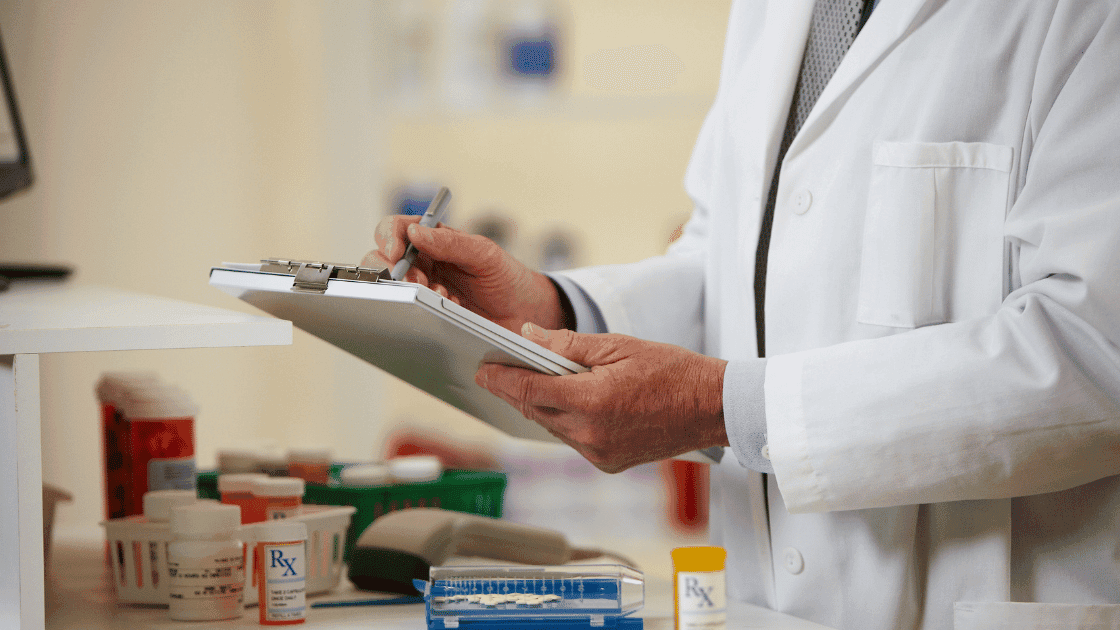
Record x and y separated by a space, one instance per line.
38 318
47 317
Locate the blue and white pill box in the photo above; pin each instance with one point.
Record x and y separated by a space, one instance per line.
537 597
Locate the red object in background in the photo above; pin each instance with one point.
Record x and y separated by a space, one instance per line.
113 435
688 495
147 439
409 442
160 457
687 482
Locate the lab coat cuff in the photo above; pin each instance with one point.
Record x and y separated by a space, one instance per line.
744 412
802 487
589 319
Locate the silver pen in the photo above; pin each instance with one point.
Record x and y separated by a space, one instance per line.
431 218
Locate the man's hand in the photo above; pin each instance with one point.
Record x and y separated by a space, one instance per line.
471 270
641 401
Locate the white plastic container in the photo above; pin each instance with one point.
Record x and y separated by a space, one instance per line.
141 577
365 475
206 563
280 568
158 503
415 468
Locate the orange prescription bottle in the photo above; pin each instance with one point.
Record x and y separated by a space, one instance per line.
311 463
699 588
280 569
235 489
275 497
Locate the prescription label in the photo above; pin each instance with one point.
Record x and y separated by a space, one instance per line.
171 474
283 582
217 577
701 601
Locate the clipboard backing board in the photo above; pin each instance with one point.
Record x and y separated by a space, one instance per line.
406 330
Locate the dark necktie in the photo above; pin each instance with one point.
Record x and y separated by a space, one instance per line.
834 26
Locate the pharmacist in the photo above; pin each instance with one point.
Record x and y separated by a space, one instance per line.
928 257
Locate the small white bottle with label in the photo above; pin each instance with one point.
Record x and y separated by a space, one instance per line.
280 564
206 563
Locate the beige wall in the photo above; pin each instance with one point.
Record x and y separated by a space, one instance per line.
169 136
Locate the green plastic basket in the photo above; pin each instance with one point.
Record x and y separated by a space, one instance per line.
473 492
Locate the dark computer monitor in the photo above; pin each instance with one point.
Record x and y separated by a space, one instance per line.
15 175
15 159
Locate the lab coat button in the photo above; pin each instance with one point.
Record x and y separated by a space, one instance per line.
765 452
802 199
793 560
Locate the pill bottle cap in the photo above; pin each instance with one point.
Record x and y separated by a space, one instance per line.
415 468
272 461
365 475
238 482
237 460
699 558
280 530
158 503
156 402
314 454
111 385
200 520
277 487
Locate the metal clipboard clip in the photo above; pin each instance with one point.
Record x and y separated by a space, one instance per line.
312 276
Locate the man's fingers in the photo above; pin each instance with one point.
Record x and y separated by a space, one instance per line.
588 350
533 393
474 254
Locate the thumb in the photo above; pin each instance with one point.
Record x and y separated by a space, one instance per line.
587 350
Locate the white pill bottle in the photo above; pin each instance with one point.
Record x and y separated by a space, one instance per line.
206 563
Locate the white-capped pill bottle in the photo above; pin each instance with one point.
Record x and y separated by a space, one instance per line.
275 497
159 503
280 565
205 562
236 489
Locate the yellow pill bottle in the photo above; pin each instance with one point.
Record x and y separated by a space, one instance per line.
699 588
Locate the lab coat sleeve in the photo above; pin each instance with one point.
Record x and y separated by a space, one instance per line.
1024 401
659 299
589 319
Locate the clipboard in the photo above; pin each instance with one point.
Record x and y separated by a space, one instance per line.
402 328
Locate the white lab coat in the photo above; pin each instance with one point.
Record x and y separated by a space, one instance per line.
942 307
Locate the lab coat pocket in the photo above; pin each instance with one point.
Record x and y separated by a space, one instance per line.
933 246
1026 616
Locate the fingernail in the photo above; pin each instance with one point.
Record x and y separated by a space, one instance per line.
413 230
480 377
529 329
